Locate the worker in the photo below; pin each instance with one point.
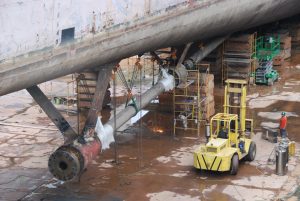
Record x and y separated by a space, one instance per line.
282 126
223 132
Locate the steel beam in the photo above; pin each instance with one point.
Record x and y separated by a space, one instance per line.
183 55
63 126
104 76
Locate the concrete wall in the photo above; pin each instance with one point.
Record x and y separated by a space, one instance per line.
28 25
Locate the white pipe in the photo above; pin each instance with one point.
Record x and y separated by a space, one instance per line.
106 132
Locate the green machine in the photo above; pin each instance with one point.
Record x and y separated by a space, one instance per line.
267 47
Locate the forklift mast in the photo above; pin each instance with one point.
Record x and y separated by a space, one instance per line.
235 100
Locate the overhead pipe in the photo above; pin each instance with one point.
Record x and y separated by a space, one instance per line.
203 52
180 71
68 162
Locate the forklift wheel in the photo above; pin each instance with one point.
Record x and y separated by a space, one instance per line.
234 164
252 152
270 82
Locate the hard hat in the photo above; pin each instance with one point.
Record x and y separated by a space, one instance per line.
283 113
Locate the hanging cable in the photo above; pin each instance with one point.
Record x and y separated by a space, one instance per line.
152 61
130 100
115 114
140 136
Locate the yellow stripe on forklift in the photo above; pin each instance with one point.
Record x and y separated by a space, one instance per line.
201 162
217 163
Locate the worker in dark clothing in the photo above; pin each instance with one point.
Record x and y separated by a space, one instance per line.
223 132
282 126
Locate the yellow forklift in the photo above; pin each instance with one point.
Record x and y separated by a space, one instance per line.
229 133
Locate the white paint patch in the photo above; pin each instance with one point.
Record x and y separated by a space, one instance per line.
182 156
53 185
276 115
194 189
261 103
292 83
170 196
105 165
271 182
209 190
266 101
163 159
180 174
248 194
298 67
155 101
252 96
190 138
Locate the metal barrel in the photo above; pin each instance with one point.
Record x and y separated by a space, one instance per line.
285 144
207 131
281 161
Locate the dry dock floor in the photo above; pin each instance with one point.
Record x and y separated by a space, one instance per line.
152 165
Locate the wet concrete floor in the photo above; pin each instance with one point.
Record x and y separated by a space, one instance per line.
152 164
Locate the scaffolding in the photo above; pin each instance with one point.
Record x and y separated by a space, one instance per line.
268 47
239 57
187 102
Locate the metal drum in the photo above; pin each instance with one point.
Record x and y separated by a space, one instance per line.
281 161
207 131
285 144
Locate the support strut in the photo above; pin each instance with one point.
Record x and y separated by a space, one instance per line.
104 76
55 116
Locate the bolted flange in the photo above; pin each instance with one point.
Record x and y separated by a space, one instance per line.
65 163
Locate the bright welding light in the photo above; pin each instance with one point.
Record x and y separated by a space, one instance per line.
158 130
